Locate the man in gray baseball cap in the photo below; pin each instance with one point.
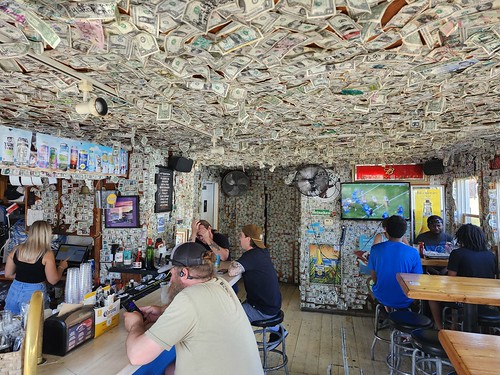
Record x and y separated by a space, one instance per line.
203 317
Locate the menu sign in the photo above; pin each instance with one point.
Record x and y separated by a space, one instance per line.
164 180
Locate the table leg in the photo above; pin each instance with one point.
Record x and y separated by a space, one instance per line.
470 318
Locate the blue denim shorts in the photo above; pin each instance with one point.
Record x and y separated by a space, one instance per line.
20 292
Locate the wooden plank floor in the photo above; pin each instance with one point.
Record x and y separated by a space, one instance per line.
314 341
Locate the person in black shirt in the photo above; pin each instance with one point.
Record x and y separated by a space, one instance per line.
471 259
212 240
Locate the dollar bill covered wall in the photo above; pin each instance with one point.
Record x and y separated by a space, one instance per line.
273 205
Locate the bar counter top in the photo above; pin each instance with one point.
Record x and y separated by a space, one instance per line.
104 355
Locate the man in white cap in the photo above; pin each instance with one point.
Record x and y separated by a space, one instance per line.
259 276
203 319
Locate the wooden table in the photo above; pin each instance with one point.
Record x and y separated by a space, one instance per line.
105 354
469 290
472 353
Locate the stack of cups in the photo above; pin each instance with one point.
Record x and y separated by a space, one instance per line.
72 289
85 280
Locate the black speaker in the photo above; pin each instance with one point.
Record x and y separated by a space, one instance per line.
433 167
180 164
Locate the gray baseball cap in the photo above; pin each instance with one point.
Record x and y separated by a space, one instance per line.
188 254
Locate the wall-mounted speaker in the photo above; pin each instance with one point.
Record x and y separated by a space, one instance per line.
433 167
180 164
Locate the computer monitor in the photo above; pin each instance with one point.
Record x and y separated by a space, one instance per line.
75 254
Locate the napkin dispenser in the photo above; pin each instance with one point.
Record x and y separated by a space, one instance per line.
64 333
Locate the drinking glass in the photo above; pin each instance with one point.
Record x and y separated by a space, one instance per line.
72 289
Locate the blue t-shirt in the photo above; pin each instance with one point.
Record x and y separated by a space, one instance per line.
434 242
387 259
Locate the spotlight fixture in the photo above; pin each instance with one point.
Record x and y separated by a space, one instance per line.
97 106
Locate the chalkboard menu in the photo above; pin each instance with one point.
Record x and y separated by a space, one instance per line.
164 181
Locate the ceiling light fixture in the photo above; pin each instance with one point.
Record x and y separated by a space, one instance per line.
97 107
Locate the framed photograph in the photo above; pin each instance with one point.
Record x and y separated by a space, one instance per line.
124 214
181 236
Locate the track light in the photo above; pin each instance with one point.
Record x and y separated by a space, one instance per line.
97 107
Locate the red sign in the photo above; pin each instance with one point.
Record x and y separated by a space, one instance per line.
389 172
495 162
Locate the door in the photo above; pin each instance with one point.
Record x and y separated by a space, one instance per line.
210 203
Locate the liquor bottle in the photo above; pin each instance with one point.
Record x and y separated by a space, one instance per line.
127 254
150 255
426 212
119 257
138 259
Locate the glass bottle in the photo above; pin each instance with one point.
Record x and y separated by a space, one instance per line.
426 212
150 255
138 259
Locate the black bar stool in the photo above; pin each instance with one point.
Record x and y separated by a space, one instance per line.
488 317
266 347
428 351
403 322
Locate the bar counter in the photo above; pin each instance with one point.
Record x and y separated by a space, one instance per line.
106 354
103 355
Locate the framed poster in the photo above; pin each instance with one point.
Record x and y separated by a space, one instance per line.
323 264
124 214
426 201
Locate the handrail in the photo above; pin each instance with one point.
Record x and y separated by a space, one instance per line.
34 334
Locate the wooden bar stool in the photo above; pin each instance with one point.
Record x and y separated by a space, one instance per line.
403 322
428 354
264 329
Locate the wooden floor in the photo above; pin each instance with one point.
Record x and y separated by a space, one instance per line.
314 342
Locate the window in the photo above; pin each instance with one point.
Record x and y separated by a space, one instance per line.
465 194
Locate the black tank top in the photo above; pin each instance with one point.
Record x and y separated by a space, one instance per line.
29 272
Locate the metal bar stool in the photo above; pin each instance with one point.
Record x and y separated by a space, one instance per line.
403 322
381 324
452 315
264 328
428 352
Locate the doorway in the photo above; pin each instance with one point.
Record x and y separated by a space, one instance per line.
210 203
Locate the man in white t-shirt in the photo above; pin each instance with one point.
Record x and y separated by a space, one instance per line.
204 320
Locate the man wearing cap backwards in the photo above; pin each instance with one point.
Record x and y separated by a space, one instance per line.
192 320
202 233
259 276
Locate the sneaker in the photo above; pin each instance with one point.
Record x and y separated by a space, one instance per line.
274 339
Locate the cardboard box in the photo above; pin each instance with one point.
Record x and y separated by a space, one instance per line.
106 318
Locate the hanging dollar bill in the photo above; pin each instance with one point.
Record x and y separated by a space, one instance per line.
145 44
240 38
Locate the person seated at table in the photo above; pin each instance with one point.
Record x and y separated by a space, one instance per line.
389 258
435 239
471 259
259 277
202 233
382 237
203 319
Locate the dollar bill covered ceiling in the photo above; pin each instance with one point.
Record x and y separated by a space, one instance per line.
258 82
